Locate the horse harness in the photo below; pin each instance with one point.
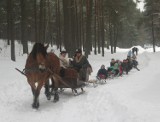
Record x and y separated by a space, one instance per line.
40 69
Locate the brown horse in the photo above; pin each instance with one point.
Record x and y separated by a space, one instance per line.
40 67
36 71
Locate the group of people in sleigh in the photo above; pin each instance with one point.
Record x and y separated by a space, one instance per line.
117 67
79 63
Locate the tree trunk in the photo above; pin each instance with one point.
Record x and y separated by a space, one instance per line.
8 21
66 24
95 27
35 21
115 37
89 4
102 27
11 27
59 41
153 42
23 27
110 33
42 22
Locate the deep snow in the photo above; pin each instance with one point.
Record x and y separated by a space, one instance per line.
131 98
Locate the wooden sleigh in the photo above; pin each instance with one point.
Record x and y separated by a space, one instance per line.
75 80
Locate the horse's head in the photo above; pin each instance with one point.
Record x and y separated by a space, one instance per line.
39 53
41 60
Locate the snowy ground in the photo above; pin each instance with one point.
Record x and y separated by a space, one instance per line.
131 98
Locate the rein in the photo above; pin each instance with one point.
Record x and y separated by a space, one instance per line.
33 69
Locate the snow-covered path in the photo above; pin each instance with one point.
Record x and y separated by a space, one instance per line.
139 92
131 98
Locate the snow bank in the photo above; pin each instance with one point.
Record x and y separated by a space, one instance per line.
131 98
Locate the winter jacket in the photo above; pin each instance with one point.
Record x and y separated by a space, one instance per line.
129 53
112 64
80 62
64 62
116 66
102 72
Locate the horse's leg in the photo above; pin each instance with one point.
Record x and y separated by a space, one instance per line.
54 91
56 95
33 88
33 92
36 95
36 99
47 90
52 85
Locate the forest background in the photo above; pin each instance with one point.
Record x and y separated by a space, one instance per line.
86 24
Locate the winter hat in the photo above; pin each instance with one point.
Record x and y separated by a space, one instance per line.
63 51
102 66
78 51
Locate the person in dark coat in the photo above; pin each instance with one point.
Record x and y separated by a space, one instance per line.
127 64
80 61
81 64
135 62
112 62
102 72
135 50
110 69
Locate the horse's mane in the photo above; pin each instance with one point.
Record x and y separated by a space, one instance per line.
38 48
